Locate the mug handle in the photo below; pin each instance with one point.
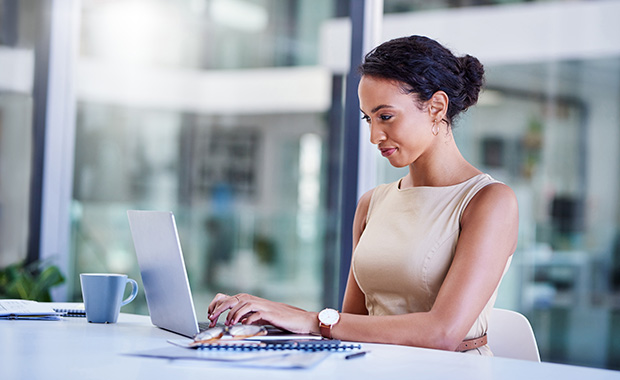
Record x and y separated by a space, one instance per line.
134 291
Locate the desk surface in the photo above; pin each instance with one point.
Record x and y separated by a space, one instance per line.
75 349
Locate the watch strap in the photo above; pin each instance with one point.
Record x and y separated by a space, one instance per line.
326 330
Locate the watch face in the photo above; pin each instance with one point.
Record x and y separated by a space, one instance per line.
329 316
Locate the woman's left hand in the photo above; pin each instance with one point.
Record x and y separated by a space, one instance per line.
248 309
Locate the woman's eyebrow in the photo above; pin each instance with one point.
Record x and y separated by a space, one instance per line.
379 107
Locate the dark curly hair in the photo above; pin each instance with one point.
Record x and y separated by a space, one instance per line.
424 66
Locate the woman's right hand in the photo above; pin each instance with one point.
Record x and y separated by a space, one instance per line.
248 309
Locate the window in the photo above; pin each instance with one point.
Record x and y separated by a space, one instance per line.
226 112
18 37
548 126
217 111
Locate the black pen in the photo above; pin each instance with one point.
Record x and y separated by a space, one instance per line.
356 355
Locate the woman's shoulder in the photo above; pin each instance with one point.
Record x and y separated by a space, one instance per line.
490 189
493 212
363 204
493 195
485 186
366 202
379 190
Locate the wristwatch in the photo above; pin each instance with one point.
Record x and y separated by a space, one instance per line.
328 319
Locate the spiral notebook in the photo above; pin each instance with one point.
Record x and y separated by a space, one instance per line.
251 344
71 312
254 359
27 309
289 353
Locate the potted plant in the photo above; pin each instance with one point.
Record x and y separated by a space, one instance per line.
30 281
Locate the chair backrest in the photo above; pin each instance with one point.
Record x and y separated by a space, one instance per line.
510 335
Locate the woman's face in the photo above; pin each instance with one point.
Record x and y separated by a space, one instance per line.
399 127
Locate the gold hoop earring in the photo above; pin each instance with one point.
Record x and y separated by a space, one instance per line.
435 128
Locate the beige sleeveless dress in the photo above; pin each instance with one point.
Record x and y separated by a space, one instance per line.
407 247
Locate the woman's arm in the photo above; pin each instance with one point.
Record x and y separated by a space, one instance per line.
246 308
488 237
354 301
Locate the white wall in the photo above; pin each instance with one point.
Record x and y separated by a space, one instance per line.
498 34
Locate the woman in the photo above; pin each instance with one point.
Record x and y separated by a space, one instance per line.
430 249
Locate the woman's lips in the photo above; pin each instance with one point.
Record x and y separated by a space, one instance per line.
386 152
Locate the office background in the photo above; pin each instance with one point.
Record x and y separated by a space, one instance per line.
231 114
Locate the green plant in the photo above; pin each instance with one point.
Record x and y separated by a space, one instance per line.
29 281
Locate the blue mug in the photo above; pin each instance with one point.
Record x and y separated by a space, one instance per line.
103 295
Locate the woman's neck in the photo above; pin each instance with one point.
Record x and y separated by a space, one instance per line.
442 166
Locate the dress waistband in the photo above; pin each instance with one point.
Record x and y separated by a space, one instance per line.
470 344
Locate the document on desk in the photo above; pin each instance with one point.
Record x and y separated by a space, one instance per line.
257 359
24 309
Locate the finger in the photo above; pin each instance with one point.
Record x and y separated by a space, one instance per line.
221 306
255 318
216 300
219 309
241 311
231 317
214 314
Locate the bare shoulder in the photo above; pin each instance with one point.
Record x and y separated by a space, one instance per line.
359 222
493 212
496 200
364 202
496 192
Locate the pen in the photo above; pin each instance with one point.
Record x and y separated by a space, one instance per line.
356 355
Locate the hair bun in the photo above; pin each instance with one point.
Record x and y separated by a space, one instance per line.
472 72
423 66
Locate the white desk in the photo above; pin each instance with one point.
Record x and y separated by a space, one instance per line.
75 349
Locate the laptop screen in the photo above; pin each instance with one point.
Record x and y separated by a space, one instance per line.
163 271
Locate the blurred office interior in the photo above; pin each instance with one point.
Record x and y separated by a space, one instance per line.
230 114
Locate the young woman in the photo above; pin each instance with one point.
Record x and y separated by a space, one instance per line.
430 249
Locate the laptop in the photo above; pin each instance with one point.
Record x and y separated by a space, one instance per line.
164 277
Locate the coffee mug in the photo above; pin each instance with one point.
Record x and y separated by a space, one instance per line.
103 295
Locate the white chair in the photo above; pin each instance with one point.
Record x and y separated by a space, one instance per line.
510 335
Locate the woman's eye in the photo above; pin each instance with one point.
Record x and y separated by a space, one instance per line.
366 118
385 117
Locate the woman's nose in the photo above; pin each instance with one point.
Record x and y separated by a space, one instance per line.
376 135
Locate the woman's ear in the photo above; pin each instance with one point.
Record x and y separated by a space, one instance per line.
438 105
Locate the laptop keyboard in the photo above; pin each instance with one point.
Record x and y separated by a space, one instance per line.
271 330
202 326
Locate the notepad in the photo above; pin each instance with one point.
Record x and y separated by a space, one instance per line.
71 312
276 345
269 345
254 359
25 309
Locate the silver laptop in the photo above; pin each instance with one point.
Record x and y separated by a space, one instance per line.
164 276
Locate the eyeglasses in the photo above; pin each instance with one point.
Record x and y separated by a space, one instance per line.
236 332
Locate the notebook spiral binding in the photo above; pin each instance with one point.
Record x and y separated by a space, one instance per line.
71 312
282 346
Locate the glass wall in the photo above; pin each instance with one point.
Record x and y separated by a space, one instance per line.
215 110
222 111
18 32
560 154
548 125
15 148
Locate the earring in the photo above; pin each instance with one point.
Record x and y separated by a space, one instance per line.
435 128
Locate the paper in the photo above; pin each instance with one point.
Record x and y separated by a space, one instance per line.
258 359
24 309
